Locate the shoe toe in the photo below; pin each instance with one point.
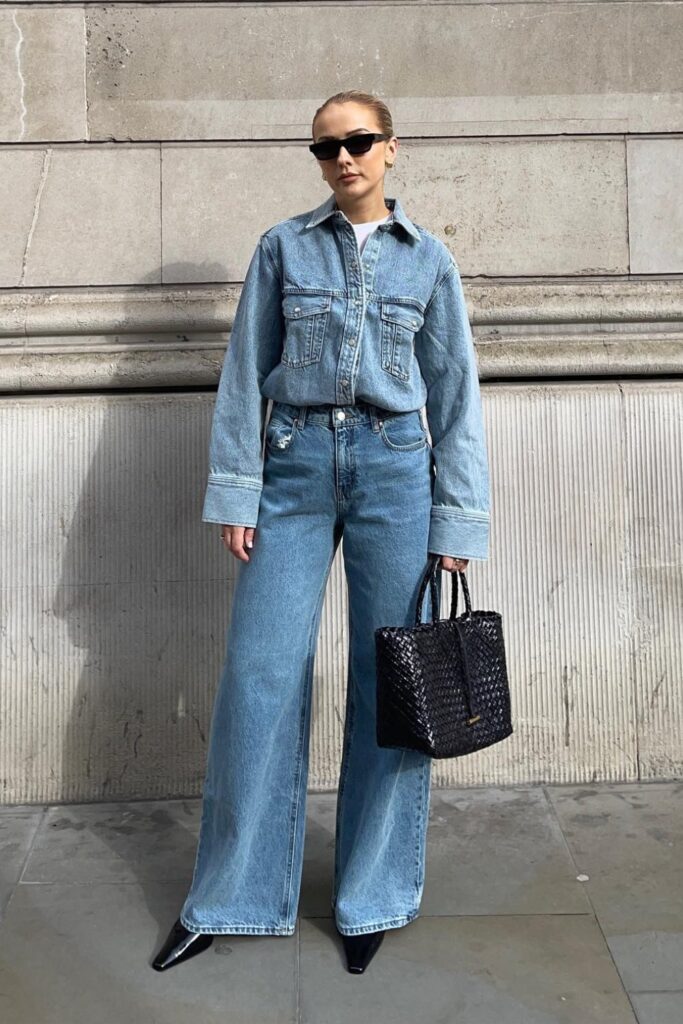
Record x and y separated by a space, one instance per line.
180 945
360 950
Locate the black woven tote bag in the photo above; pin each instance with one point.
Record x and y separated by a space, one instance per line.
442 686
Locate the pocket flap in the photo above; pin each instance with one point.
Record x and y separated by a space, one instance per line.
295 306
405 314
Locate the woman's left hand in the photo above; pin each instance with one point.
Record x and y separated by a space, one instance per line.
453 564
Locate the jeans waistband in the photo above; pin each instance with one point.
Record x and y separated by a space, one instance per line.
329 415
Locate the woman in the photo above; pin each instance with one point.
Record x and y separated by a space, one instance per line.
351 319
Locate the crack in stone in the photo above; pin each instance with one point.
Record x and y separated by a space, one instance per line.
22 119
47 156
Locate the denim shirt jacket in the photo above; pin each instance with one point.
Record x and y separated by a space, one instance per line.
319 322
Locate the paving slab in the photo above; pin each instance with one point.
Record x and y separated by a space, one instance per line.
658 1007
82 953
489 851
17 830
467 970
628 841
498 851
318 868
115 842
507 932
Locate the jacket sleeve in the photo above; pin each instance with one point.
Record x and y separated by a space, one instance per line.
444 348
235 477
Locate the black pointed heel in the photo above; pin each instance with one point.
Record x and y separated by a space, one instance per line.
360 949
180 945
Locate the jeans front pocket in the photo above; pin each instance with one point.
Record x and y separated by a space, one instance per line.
403 432
281 431
400 323
306 318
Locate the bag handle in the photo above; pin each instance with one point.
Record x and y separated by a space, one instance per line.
465 593
429 577
432 578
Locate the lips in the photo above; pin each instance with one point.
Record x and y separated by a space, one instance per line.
348 177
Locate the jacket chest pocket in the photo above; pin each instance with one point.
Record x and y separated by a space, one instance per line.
306 318
400 322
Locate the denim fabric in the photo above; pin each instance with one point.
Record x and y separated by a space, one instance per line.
360 476
319 322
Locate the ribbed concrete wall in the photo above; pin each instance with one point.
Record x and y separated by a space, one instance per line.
115 597
143 148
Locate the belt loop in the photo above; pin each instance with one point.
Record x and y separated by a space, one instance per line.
301 416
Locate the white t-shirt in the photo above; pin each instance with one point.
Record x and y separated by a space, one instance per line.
365 229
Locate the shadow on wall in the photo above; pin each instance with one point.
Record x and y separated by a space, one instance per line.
144 590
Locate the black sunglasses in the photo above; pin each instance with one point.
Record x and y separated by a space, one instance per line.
328 149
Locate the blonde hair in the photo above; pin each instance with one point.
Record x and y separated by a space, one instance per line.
367 99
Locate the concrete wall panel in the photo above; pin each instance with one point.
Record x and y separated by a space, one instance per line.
42 74
91 215
235 71
504 208
79 216
447 69
115 597
655 206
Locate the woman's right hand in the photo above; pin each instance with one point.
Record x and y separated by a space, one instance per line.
237 539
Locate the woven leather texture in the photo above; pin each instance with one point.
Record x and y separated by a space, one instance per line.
442 686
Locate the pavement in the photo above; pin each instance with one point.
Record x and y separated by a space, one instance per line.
542 905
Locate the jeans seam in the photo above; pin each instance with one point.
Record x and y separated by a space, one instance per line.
421 826
414 446
350 719
394 922
238 928
202 829
307 697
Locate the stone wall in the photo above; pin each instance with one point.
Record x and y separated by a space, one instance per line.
143 150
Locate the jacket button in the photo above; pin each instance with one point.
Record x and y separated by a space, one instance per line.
341 415
297 309
414 323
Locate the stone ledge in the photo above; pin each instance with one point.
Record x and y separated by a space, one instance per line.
156 336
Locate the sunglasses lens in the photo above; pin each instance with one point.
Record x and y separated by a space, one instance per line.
326 150
359 143
355 144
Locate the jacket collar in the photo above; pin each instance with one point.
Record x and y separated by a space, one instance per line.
329 207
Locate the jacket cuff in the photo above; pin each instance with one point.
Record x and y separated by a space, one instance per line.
458 534
232 500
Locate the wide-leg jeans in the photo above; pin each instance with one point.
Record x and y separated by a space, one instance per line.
363 476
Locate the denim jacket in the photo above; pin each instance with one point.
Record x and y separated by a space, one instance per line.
320 322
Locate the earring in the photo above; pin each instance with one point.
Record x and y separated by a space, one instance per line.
387 165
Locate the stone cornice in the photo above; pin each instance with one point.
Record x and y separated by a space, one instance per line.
170 336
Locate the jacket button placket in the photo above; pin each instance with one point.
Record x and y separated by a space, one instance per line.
349 349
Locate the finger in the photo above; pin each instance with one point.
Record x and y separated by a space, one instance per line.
237 543
249 537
